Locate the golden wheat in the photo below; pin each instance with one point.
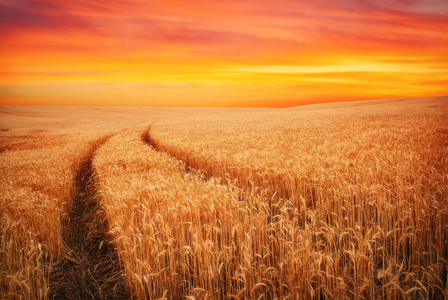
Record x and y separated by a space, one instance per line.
366 181
35 202
42 152
326 201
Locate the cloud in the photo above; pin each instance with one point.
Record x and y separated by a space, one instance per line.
348 66
37 16
232 26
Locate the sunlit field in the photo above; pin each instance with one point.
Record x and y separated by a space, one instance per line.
324 201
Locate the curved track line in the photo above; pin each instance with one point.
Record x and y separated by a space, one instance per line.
203 174
274 198
282 186
91 268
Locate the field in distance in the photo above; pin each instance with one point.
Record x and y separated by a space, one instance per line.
340 200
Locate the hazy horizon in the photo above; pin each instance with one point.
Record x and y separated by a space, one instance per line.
217 107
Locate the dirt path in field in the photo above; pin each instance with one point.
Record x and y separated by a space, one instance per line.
274 199
148 140
91 268
277 195
146 137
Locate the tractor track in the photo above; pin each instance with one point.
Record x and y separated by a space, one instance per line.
206 174
189 168
90 268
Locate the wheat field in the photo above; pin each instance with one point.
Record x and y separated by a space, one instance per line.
328 201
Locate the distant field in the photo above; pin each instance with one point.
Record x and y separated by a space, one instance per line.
341 200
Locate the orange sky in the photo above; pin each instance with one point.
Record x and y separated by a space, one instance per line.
221 53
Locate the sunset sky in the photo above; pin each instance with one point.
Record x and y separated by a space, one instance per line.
221 53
